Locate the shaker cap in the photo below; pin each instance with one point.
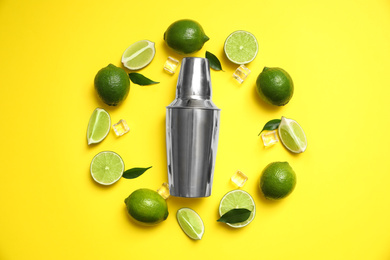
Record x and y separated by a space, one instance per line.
194 79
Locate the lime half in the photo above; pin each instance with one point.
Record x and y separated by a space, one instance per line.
98 126
138 55
292 136
238 199
241 47
191 223
107 167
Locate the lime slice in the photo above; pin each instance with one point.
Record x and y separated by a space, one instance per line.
138 55
98 126
191 223
107 167
241 47
237 199
292 136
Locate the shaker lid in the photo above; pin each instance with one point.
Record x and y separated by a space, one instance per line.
194 79
193 88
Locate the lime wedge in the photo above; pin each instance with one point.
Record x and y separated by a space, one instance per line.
107 167
241 47
138 55
292 136
237 199
191 223
98 126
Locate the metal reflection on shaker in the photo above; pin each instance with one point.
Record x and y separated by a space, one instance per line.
192 129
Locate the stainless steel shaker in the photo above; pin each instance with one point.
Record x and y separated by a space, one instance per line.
192 128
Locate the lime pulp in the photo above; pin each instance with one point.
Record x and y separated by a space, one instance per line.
138 55
98 126
241 47
236 199
191 223
107 167
292 135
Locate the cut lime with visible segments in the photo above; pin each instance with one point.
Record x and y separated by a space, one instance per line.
107 167
98 126
241 47
138 55
191 223
238 199
292 135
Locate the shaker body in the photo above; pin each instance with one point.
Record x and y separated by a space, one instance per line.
192 141
192 128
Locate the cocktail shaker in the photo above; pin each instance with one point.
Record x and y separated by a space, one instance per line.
192 129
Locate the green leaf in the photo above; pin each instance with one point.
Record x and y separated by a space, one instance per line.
235 216
140 79
213 61
271 125
134 172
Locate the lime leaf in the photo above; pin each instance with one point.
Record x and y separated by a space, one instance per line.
134 172
235 216
213 60
271 125
237 199
140 79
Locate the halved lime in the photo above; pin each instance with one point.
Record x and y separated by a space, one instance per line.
238 199
98 126
107 167
191 223
138 55
292 136
241 47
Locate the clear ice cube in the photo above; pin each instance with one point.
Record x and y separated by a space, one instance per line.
170 65
270 138
164 190
121 128
239 178
241 73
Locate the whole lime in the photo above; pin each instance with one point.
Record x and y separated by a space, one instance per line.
147 206
185 36
275 86
278 180
112 85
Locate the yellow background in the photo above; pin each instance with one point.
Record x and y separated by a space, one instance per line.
338 54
